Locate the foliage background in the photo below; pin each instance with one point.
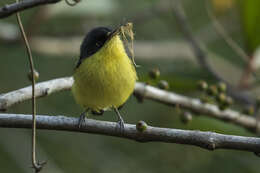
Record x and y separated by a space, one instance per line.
75 152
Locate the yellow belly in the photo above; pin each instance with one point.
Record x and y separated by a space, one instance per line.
106 79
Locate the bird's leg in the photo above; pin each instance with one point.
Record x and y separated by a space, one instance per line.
82 118
120 123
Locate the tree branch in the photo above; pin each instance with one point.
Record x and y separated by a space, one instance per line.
197 106
206 140
141 90
41 89
10 9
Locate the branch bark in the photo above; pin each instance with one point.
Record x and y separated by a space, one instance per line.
141 90
10 9
206 140
41 89
195 105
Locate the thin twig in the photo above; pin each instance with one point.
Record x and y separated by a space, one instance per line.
10 9
221 31
248 70
144 91
201 54
36 166
205 140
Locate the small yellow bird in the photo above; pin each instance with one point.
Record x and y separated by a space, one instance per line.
104 76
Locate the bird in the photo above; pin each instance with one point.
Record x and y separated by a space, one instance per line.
104 76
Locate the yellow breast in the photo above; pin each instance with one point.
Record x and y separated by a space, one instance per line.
106 79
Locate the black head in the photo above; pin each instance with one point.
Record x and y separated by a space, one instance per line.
93 41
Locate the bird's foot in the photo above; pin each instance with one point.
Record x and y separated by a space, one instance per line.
82 120
120 126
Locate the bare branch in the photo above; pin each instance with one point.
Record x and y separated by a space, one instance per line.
197 106
142 90
201 54
10 9
206 140
41 89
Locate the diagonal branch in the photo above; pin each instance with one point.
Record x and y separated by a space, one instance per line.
195 105
10 9
222 33
145 91
206 140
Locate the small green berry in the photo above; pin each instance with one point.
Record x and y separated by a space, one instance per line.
222 106
186 117
249 110
202 85
221 98
35 73
222 87
163 85
141 126
229 101
205 99
212 90
154 73
224 101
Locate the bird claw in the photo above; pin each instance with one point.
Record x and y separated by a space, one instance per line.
120 125
82 120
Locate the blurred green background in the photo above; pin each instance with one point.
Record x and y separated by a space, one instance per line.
56 31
